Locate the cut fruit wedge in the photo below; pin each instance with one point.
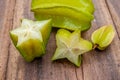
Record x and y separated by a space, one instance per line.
71 46
68 14
103 36
31 38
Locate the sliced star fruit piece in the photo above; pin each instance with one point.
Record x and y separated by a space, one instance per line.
103 36
72 14
31 38
71 46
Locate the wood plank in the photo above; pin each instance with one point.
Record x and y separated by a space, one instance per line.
2 8
7 12
96 65
114 7
115 13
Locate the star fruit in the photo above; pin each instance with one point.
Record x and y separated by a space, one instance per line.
103 36
68 14
31 38
71 46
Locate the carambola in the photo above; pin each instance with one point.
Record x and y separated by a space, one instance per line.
31 38
68 14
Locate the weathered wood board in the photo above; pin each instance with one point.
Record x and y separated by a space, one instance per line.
96 65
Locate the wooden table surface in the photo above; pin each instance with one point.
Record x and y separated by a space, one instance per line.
96 65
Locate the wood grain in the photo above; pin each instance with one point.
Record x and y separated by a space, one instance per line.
6 25
96 65
114 7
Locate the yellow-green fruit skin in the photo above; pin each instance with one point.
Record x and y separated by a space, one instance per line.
31 49
103 36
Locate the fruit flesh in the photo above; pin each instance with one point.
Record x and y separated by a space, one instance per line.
71 46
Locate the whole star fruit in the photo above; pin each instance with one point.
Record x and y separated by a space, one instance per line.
71 46
103 36
31 38
68 14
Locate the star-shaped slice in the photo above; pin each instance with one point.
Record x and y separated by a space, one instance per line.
31 38
71 46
